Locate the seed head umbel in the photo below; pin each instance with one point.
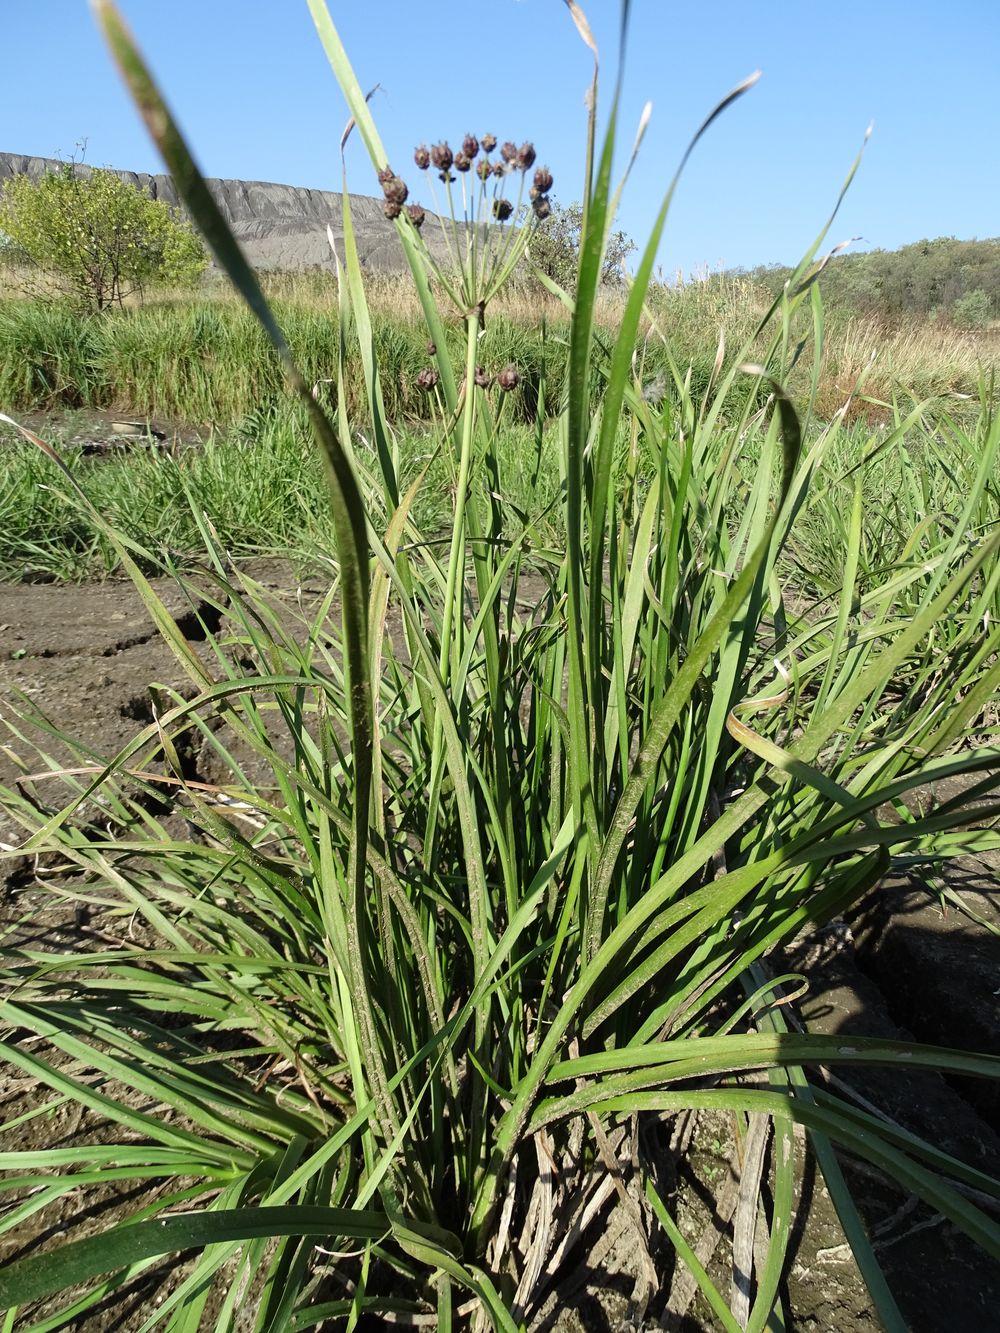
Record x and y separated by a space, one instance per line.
526 156
475 289
427 379
508 378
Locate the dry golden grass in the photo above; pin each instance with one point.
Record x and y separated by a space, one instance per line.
522 303
926 359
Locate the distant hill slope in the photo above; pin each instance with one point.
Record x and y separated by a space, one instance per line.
279 226
946 277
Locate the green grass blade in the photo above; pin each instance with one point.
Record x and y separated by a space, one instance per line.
38 1276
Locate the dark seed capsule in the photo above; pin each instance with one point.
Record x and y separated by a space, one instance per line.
483 379
416 215
441 156
385 175
484 169
462 161
508 151
427 379
542 208
508 378
502 209
489 142
526 156
543 180
432 349
422 157
470 146
392 209
395 191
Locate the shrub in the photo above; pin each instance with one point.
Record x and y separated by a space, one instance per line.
555 248
974 310
96 237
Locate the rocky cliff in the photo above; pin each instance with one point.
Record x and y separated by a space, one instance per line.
278 226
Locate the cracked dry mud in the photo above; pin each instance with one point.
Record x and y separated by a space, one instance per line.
85 656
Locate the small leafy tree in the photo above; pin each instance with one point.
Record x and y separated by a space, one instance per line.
555 248
98 238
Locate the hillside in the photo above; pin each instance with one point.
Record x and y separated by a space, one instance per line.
944 278
279 226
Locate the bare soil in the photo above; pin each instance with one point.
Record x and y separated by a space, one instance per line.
86 656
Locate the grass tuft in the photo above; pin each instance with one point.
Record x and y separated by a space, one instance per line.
513 817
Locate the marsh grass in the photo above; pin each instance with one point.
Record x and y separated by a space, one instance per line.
260 487
516 824
201 358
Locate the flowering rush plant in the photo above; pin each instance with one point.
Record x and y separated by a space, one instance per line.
482 249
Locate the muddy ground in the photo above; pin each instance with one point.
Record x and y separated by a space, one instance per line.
86 657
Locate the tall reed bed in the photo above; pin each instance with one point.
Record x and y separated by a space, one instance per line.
427 995
208 362
201 358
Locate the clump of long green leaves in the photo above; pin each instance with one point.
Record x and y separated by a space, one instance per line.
503 851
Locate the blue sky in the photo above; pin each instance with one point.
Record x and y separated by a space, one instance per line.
252 88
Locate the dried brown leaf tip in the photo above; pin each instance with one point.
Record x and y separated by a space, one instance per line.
508 378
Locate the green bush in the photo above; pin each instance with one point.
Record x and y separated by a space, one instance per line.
974 310
96 237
